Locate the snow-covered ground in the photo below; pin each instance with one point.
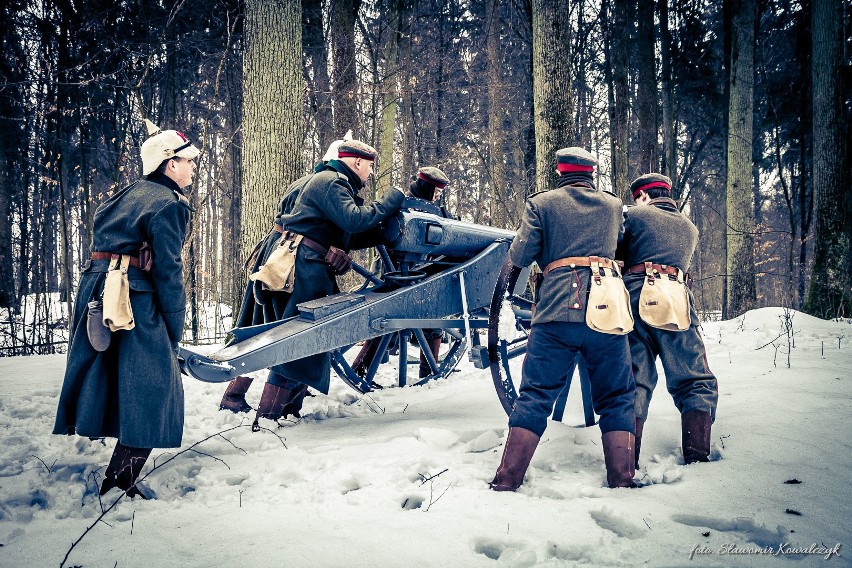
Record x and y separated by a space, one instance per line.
345 486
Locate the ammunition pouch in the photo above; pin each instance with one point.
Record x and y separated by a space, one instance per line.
278 273
664 300
608 309
117 311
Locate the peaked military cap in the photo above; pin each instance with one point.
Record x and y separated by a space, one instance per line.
650 181
356 149
575 159
434 176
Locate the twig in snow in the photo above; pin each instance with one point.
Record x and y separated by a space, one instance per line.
233 444
433 501
214 457
646 523
49 468
375 403
431 477
155 468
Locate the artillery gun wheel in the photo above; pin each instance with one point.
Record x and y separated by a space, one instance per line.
395 346
391 350
508 330
509 324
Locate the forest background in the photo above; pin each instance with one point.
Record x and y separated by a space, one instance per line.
743 103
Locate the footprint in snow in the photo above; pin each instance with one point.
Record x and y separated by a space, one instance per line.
616 523
744 526
507 552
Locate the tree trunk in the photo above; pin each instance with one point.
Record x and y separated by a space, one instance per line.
313 45
495 165
273 128
669 155
617 37
552 97
829 295
345 80
406 108
740 201
646 97
390 105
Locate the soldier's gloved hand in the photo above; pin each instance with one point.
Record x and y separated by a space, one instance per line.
339 260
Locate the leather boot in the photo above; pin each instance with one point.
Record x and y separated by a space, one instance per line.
365 357
123 470
294 402
695 428
620 457
517 454
435 347
640 424
271 405
234 398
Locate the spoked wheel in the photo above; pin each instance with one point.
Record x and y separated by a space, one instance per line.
508 329
509 324
393 347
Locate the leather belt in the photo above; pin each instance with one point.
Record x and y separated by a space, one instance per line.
656 268
574 261
308 242
99 255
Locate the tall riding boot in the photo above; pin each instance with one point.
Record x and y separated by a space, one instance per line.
365 357
620 457
272 403
294 402
640 424
124 468
695 428
234 398
517 454
435 348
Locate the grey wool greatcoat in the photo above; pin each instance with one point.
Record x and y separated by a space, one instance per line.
661 234
261 306
566 221
133 390
329 211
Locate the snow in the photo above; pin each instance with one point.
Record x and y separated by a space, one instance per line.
399 477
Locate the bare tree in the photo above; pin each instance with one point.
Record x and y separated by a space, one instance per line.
273 126
740 278
830 294
553 98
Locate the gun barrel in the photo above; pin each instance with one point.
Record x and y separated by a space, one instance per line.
424 233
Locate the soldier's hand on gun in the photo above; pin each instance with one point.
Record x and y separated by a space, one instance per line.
339 260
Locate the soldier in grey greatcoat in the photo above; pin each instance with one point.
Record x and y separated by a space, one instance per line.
560 230
132 390
657 232
428 186
261 306
329 213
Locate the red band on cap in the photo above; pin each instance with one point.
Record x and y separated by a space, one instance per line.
652 185
568 168
355 155
433 181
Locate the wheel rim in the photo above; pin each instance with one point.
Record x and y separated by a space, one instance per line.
504 351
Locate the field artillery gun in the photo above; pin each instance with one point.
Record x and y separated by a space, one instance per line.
434 273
